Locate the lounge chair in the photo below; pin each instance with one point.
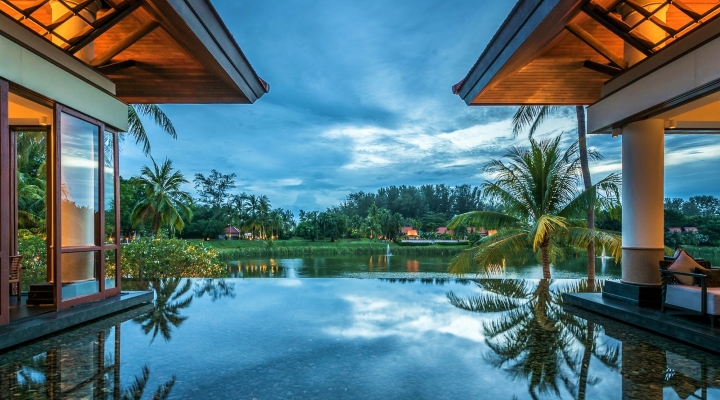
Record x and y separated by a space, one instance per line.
685 287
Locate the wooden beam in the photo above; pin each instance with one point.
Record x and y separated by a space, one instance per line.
115 67
616 26
116 17
129 40
602 68
596 45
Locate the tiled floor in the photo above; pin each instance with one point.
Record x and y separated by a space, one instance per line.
690 329
18 310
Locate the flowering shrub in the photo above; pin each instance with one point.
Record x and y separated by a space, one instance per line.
148 258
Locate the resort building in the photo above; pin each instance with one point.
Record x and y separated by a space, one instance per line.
68 71
645 69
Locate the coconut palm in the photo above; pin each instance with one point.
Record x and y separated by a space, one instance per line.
532 117
137 389
136 128
543 209
164 203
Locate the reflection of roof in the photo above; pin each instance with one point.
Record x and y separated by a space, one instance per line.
550 52
155 51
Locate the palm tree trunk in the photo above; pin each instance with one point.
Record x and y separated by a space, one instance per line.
580 111
545 261
585 366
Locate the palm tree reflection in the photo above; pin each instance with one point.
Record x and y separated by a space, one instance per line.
165 313
533 339
215 288
173 295
137 389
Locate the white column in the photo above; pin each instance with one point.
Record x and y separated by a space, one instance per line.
643 152
75 25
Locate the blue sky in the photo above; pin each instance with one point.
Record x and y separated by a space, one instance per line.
361 98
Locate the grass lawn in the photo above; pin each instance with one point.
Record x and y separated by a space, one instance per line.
294 242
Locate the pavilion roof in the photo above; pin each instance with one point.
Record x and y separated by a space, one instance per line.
155 51
562 52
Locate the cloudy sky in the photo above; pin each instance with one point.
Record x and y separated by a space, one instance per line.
361 98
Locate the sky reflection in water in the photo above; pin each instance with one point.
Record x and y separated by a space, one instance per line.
355 338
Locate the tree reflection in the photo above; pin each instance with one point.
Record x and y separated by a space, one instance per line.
137 389
214 288
165 313
172 296
533 339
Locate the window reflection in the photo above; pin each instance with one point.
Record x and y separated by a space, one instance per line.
109 189
79 181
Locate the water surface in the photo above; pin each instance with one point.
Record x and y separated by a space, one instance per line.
404 266
358 339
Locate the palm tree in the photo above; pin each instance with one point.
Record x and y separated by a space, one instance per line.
532 117
164 203
137 389
136 128
543 209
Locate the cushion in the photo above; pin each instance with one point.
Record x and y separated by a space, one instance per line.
689 297
712 276
684 263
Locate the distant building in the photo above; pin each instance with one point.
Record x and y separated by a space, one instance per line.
691 229
443 230
232 232
674 230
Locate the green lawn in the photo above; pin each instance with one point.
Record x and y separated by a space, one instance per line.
295 242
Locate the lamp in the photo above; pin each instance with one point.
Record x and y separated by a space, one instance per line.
42 120
616 132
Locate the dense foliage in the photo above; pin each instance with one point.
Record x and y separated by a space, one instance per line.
701 212
148 258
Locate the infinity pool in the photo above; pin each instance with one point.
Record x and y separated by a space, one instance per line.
357 339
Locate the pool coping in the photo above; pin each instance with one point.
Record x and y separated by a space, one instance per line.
691 330
32 328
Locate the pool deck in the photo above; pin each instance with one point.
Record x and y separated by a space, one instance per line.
686 328
32 328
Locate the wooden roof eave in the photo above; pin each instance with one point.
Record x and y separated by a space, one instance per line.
526 32
197 27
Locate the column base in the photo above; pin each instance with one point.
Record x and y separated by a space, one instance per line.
640 266
640 295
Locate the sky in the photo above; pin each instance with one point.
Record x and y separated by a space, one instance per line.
360 98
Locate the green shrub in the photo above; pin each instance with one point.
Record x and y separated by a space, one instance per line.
34 251
148 258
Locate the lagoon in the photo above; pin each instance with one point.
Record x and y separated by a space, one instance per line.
407 266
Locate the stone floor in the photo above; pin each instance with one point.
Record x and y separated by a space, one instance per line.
32 327
691 329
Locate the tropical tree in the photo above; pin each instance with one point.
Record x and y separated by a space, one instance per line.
543 209
164 203
136 128
532 117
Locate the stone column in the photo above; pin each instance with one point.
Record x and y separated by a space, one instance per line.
643 152
75 24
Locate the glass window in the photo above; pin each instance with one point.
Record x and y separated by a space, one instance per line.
110 268
79 181
78 274
111 235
